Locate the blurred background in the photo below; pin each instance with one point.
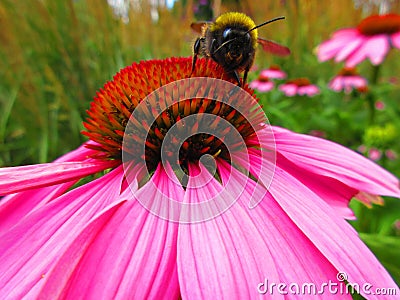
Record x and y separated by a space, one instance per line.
55 55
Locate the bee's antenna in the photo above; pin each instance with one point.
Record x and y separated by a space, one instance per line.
224 44
265 23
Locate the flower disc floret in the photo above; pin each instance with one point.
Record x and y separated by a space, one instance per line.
113 106
380 24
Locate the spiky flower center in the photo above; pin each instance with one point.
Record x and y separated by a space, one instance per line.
380 24
299 82
348 72
111 111
275 68
263 78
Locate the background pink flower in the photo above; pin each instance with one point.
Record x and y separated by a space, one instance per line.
390 154
318 133
372 39
299 86
347 80
273 72
374 154
380 105
262 83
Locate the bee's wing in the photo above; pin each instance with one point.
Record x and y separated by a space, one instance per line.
273 47
197 26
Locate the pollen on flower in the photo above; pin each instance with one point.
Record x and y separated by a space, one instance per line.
380 24
113 106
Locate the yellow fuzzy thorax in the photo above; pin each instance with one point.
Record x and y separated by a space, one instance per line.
230 19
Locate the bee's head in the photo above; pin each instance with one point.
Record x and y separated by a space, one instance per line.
231 34
236 22
234 42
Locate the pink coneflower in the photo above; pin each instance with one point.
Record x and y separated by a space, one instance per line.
391 154
318 133
374 154
120 236
262 84
372 39
347 80
362 148
380 105
299 86
396 226
273 72
393 80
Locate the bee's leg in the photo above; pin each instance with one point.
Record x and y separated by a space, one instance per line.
234 90
246 71
236 76
213 47
196 51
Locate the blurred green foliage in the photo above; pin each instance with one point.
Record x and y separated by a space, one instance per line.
55 55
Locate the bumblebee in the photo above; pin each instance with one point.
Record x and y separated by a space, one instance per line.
231 41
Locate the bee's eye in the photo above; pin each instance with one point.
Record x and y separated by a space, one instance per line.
247 37
227 34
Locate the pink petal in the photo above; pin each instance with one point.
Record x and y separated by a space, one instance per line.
335 193
395 40
288 89
349 48
30 247
273 74
75 250
166 205
332 235
329 159
215 256
14 207
313 90
254 84
330 48
235 245
265 86
309 90
16 179
356 81
259 161
346 33
209 202
289 247
336 84
375 48
347 83
129 255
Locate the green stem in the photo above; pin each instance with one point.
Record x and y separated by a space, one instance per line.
371 96
375 74
371 108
